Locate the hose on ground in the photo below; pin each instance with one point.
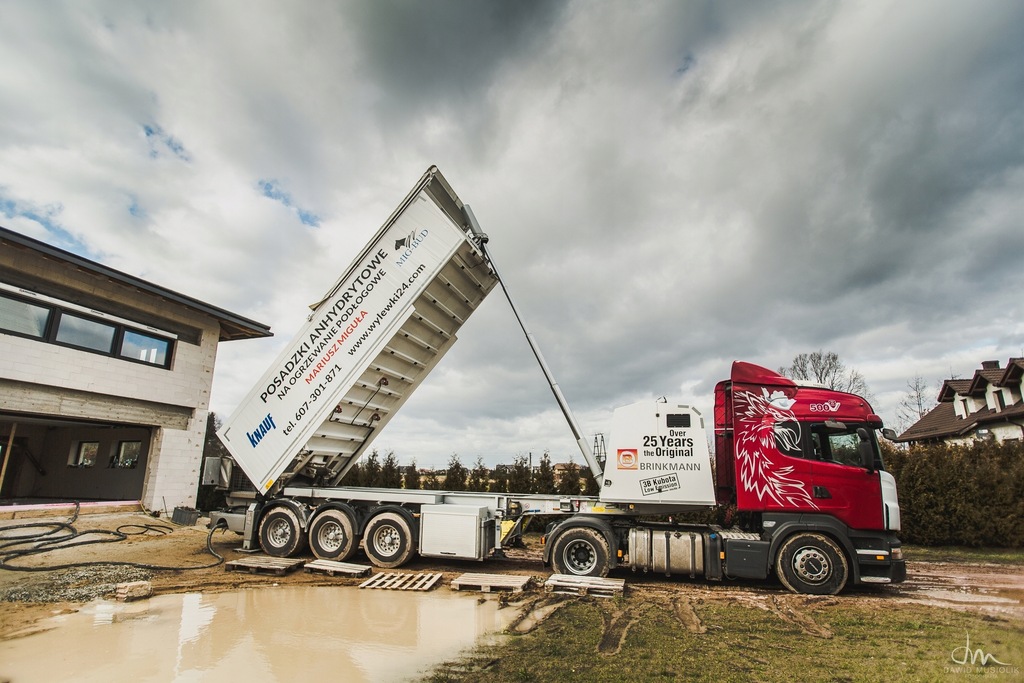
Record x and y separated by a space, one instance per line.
44 537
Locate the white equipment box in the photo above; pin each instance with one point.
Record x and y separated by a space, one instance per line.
462 531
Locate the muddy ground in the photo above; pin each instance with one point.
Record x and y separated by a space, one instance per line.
27 598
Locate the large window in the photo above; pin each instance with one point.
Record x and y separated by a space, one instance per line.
85 334
23 318
57 323
144 347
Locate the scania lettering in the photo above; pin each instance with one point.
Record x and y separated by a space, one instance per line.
798 466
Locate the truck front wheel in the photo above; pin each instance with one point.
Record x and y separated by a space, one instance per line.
812 563
388 540
280 533
581 551
332 536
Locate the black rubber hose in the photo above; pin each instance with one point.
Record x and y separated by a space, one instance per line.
44 543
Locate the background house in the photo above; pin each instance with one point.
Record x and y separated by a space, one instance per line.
104 380
987 406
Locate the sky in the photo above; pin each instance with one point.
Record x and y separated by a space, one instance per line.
667 186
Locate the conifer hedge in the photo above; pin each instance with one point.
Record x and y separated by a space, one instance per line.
960 495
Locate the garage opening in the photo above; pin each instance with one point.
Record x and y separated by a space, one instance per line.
49 460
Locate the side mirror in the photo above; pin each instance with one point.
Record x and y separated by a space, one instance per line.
867 453
889 434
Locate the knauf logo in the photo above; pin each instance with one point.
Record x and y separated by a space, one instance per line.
256 435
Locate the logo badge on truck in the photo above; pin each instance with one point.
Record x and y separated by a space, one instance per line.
627 459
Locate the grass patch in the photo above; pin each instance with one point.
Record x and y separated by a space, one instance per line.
918 553
869 642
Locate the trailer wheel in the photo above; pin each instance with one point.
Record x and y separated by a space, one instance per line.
581 551
332 536
812 563
388 540
280 533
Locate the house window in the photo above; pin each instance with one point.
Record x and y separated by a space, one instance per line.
85 334
84 454
145 348
57 324
127 456
24 318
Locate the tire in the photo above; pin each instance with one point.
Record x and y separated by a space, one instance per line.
581 551
332 536
388 540
812 564
280 533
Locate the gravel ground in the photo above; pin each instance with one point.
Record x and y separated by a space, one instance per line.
80 584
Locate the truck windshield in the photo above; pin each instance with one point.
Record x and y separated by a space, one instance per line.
841 446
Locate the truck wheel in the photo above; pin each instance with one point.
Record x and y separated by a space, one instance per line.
581 551
388 540
332 536
812 563
280 533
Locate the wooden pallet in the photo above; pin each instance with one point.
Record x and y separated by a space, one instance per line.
585 585
264 564
402 582
489 582
330 567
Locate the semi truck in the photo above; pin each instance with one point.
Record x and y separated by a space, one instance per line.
797 465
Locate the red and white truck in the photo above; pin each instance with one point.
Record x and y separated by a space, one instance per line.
799 464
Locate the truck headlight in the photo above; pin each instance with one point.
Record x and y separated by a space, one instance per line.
896 554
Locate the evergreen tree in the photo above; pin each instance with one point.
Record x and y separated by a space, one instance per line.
430 481
590 485
411 480
499 479
479 476
354 476
455 478
544 477
390 476
520 479
371 469
570 484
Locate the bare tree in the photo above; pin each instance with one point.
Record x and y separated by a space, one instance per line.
825 367
915 404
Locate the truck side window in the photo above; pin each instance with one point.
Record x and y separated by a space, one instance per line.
840 447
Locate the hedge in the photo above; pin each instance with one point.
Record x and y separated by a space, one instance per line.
960 495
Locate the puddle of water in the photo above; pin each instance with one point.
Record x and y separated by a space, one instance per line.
277 634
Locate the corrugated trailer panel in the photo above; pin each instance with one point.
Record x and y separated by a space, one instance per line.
366 347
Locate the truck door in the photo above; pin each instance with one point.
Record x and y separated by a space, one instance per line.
840 484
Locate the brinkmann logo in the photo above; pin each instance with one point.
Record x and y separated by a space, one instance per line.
256 435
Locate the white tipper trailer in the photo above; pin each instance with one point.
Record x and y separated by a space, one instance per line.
371 340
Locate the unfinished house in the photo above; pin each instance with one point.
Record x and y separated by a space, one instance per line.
104 380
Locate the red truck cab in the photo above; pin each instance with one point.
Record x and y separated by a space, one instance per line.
802 466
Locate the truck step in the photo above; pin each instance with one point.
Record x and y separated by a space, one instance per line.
402 582
330 567
585 585
264 564
490 582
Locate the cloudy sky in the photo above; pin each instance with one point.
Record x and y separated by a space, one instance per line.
668 186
